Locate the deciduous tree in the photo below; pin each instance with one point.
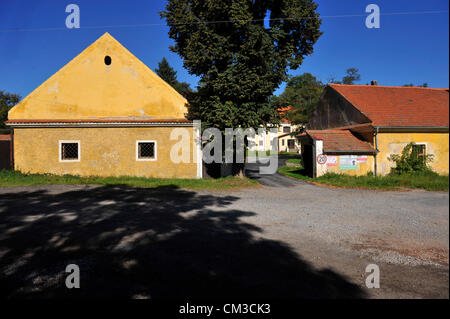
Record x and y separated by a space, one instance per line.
7 101
240 57
302 93
352 76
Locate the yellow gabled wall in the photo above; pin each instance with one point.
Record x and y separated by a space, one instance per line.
87 88
393 143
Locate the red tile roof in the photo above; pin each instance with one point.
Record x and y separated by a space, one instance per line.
282 111
390 106
340 141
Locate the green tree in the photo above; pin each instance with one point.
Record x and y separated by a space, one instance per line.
301 93
332 79
412 159
183 88
424 85
166 72
7 101
241 61
352 76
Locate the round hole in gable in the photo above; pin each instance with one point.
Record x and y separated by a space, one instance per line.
107 60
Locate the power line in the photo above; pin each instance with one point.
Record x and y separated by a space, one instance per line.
223 21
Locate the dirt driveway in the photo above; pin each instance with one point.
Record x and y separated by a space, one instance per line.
300 240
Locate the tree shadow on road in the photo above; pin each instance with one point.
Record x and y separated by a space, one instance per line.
164 242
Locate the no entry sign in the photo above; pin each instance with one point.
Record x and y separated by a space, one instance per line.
321 159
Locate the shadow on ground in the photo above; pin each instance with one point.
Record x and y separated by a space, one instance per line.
147 243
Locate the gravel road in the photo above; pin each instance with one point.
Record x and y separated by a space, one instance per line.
292 239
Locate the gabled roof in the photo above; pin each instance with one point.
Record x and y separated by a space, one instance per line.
388 106
88 87
340 141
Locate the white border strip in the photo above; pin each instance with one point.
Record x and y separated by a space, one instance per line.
97 124
198 148
60 142
155 150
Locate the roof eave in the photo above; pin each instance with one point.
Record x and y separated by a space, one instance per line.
350 152
97 123
411 128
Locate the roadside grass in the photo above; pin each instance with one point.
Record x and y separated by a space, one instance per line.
297 161
267 153
15 178
257 153
288 153
427 181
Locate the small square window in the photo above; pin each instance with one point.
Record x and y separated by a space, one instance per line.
286 129
145 150
69 151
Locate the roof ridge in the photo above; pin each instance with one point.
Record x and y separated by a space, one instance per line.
387 86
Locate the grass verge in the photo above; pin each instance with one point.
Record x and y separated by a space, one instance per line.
427 181
297 161
14 178
267 153
289 153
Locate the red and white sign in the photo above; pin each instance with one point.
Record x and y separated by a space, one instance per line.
332 160
362 159
321 159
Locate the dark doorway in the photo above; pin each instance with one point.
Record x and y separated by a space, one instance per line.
307 158
5 152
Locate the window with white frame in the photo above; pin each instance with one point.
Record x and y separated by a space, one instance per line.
69 151
146 150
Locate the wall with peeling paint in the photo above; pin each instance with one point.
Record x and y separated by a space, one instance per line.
103 152
87 88
363 167
393 143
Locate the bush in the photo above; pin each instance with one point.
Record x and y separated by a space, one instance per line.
410 161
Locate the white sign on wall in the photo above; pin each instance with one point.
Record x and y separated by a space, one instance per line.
332 161
348 162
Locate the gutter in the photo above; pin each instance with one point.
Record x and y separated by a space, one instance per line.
376 151
14 124
413 128
349 152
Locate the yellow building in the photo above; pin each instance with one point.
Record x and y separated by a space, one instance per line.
105 113
356 128
283 134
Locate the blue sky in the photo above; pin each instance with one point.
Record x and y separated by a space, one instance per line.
406 49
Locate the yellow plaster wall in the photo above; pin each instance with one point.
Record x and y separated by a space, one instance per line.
284 147
393 143
87 88
363 168
104 152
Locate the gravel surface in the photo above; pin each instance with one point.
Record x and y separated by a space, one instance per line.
282 239
397 221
